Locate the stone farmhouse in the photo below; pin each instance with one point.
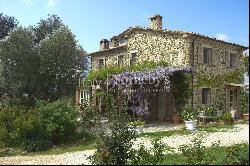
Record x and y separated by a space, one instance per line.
216 63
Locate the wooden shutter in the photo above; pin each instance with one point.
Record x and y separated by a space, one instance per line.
227 99
213 96
227 56
200 53
214 57
105 63
199 95
237 60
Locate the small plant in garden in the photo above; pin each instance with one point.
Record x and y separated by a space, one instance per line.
244 102
195 152
154 156
237 155
189 114
227 117
207 110
137 123
113 148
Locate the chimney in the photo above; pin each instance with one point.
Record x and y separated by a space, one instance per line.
114 42
104 44
156 22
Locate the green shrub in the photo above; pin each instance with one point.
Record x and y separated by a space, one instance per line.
113 149
194 153
59 120
226 116
208 110
154 156
189 114
244 102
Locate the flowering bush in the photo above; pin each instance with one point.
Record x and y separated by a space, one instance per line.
189 114
207 110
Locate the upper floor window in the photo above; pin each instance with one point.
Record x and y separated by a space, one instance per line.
206 95
101 63
207 55
120 60
232 60
133 58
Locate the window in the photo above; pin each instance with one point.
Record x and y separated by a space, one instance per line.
232 60
101 63
84 96
120 60
233 96
133 58
207 55
205 95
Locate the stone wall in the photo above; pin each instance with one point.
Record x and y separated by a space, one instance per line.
157 46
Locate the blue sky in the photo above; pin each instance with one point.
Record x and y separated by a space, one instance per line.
92 20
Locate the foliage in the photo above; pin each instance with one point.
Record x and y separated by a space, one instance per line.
59 120
137 123
41 62
237 155
194 153
19 62
46 27
154 156
218 80
7 23
189 114
114 147
60 63
37 128
181 89
102 74
245 60
208 110
226 116
244 102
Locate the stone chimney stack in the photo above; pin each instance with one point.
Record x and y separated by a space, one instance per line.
156 22
114 42
104 44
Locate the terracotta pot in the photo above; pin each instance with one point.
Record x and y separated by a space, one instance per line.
176 118
245 117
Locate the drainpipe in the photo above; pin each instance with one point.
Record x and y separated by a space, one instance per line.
192 105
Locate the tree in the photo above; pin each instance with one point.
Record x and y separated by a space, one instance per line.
61 61
7 23
46 27
19 60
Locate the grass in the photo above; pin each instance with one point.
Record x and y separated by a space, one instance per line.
69 147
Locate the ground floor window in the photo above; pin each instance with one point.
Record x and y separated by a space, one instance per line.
206 95
84 96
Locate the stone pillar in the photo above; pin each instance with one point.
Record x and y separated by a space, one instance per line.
114 42
104 44
156 22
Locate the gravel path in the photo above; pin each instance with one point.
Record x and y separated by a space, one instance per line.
239 134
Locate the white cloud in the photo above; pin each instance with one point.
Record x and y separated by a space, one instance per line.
28 2
222 36
51 3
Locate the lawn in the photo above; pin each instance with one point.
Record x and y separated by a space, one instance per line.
90 142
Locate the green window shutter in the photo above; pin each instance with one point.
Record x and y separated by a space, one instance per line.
213 96
214 57
200 53
199 95
227 99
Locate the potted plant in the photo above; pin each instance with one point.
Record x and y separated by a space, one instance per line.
190 118
227 118
138 124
